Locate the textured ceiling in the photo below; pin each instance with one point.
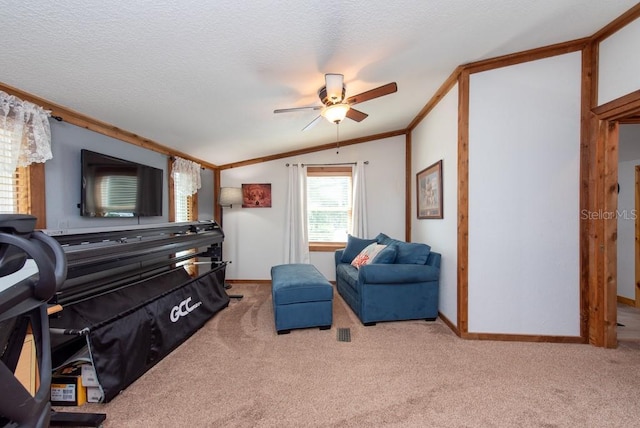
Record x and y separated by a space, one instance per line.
205 78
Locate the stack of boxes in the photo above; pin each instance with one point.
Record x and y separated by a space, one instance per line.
74 385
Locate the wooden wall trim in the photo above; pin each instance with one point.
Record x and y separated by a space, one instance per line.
596 233
528 55
435 99
86 122
171 193
588 101
620 107
408 183
626 301
463 202
618 23
217 209
313 149
611 233
603 199
38 194
523 338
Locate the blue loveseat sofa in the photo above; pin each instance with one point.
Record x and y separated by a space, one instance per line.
400 283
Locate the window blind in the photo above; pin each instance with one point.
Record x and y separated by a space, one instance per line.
14 187
328 207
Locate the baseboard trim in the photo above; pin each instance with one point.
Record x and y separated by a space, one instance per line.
449 324
467 336
626 301
256 281
523 338
249 281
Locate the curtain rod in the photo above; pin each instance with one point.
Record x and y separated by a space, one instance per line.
326 164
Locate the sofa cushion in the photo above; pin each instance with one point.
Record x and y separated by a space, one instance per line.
387 255
349 274
367 255
384 239
354 247
413 253
408 252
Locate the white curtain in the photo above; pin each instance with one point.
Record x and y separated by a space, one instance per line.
296 234
359 215
186 175
26 127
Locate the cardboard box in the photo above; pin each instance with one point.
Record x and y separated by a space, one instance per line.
67 388
89 377
94 394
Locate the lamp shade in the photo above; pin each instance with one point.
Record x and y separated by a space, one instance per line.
334 87
230 196
335 113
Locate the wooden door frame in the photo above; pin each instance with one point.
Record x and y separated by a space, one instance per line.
602 230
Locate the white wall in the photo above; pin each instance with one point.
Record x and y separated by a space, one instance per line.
629 157
435 138
619 63
254 237
524 152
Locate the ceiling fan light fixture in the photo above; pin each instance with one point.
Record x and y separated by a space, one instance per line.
335 113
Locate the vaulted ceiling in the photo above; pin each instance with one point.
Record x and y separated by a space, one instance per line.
205 79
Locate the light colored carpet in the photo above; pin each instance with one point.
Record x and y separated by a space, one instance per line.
236 372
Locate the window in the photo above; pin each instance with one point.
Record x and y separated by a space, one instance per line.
14 187
183 204
185 209
329 203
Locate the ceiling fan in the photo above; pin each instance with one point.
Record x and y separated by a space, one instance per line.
335 107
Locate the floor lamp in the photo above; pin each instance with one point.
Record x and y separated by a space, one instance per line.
229 196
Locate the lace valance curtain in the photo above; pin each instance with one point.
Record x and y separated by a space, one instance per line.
186 175
25 132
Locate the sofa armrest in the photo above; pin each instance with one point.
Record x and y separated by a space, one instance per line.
338 256
397 273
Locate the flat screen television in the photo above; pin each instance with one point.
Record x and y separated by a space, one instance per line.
113 187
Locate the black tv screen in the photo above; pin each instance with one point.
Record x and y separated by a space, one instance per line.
113 187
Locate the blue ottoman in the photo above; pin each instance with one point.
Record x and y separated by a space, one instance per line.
302 297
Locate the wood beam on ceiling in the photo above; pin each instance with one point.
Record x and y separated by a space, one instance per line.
436 98
527 56
618 23
86 122
313 149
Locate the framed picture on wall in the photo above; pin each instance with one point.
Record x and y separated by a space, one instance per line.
429 191
256 195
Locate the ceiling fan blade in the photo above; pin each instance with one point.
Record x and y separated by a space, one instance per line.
356 115
312 123
287 110
380 91
334 84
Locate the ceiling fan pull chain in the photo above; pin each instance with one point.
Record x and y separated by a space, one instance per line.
337 138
